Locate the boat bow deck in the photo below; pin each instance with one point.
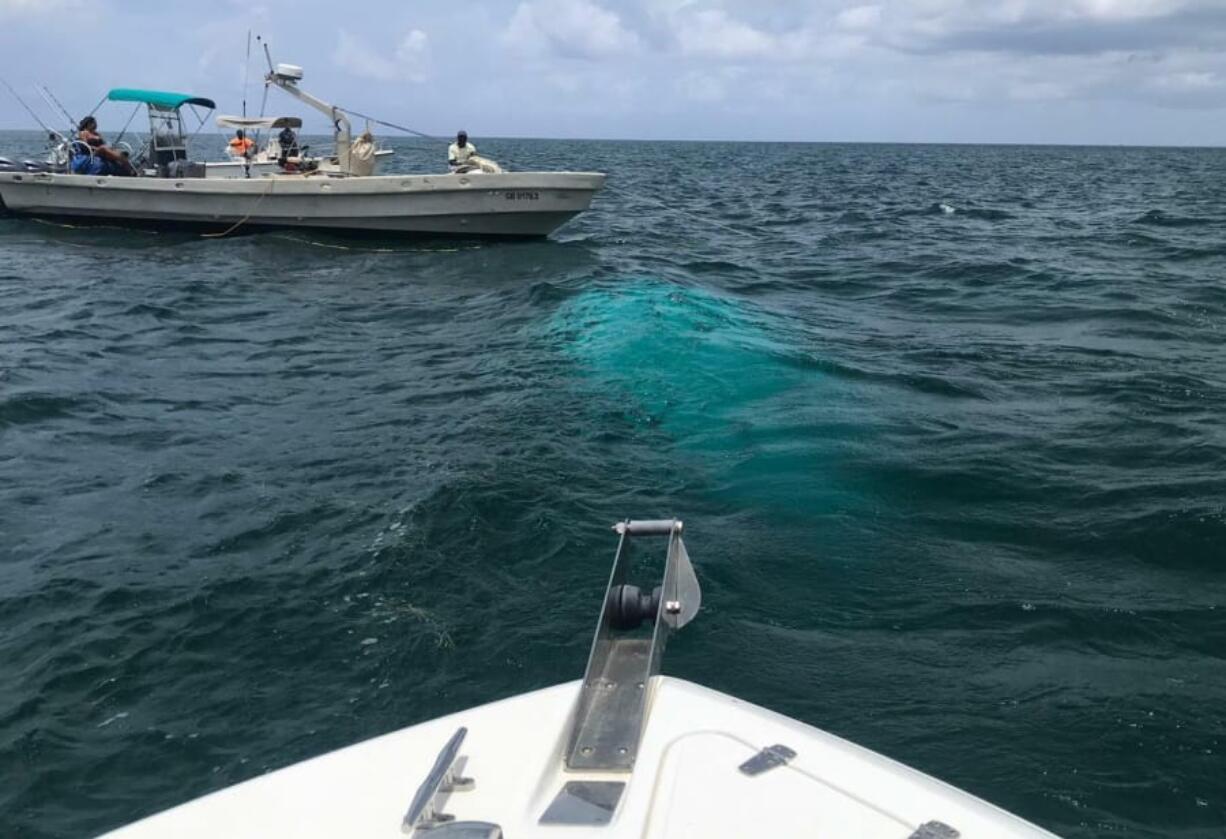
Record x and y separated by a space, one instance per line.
687 781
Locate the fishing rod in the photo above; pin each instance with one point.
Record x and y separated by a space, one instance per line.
30 110
51 101
406 130
47 102
394 126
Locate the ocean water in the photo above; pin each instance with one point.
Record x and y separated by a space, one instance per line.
945 423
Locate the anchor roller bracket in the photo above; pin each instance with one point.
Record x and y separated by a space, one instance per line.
608 721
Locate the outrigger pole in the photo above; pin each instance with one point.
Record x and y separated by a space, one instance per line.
246 73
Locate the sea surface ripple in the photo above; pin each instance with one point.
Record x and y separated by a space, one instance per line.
946 425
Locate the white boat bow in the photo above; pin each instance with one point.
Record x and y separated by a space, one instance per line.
614 755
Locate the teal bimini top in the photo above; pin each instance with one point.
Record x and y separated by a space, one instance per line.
158 98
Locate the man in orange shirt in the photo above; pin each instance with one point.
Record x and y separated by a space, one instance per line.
241 146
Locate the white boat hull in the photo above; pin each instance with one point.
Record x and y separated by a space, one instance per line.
686 783
508 204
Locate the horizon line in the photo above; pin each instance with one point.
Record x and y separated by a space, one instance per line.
781 142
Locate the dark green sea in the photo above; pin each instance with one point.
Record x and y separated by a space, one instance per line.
946 424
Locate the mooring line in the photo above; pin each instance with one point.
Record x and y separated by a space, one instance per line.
338 247
271 183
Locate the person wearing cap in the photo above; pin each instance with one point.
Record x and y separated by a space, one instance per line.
460 151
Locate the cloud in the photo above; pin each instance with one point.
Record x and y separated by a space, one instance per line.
1048 27
1185 88
858 18
712 32
1085 70
30 7
18 11
1037 91
701 87
912 52
569 29
1160 52
409 62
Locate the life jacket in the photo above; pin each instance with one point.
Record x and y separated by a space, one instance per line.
242 146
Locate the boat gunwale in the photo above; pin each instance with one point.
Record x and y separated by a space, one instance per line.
313 184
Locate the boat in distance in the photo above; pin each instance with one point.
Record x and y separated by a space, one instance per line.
158 186
623 752
523 204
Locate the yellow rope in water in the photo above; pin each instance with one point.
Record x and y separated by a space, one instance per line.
339 247
313 243
88 227
66 226
271 183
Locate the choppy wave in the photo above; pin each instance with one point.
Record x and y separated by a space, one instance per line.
1162 218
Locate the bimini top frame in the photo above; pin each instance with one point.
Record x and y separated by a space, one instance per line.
165 100
248 123
167 141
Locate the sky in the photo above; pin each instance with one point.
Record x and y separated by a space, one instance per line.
1011 71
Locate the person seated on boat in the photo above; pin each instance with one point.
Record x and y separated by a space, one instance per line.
460 151
92 156
241 145
288 141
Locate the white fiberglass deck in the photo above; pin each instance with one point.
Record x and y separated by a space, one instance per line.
686 782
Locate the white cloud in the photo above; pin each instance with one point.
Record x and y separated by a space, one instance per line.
410 61
862 69
1121 9
413 56
701 87
1187 82
25 10
35 6
570 29
1038 91
858 18
712 32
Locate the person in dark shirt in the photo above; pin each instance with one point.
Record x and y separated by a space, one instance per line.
288 141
